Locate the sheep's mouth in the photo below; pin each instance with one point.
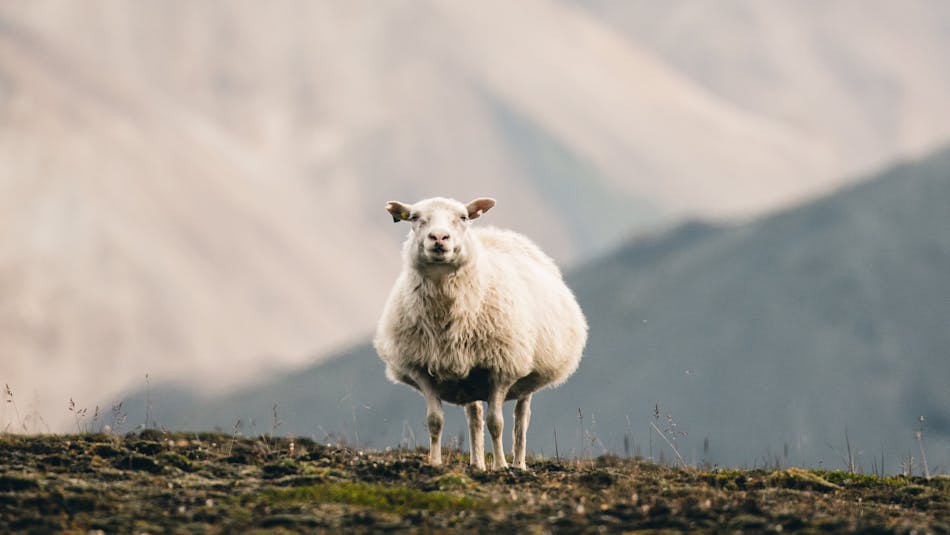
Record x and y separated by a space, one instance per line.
439 257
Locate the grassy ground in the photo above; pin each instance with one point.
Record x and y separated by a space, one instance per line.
210 483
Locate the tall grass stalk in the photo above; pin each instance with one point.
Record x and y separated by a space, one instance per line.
79 414
919 434
8 394
235 430
672 447
148 401
847 443
356 428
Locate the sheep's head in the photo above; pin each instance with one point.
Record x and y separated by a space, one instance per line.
439 229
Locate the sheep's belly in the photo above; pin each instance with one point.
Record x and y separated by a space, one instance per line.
476 386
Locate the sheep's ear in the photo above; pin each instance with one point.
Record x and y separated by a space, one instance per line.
479 206
398 210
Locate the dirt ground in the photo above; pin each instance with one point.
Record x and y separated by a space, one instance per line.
155 482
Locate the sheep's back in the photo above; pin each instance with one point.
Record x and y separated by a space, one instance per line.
547 309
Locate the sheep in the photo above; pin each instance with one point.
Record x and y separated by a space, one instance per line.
477 314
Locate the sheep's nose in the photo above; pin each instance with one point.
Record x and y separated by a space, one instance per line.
439 237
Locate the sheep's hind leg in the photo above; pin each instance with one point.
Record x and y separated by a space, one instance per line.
476 434
434 418
520 431
496 424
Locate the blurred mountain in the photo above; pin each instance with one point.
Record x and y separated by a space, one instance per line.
195 189
861 78
137 239
770 340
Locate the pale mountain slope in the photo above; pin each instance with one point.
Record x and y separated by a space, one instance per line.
322 89
338 99
651 130
121 259
865 80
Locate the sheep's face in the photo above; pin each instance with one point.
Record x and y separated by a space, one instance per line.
439 229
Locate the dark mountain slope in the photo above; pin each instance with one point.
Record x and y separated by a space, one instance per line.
787 330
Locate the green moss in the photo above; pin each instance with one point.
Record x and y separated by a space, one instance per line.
839 477
598 478
797 478
941 482
399 500
178 461
134 461
107 451
727 479
452 481
281 468
728 474
40 444
146 447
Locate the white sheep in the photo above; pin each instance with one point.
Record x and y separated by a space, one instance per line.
477 314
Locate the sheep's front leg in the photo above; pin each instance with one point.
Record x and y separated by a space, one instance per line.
476 434
496 425
434 417
522 416
434 421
